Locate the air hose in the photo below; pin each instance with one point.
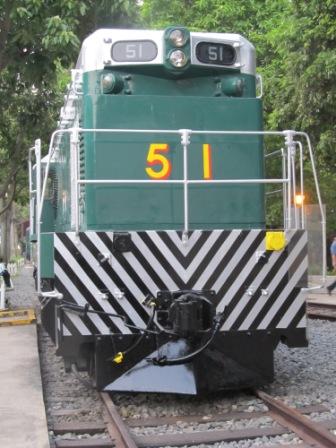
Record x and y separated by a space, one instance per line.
164 361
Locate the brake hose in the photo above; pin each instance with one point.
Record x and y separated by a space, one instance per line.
164 361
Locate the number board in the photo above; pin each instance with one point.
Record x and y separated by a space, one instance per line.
134 51
215 53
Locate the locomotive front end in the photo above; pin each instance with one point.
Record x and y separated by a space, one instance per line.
166 278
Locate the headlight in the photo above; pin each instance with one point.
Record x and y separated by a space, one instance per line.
178 59
112 83
177 38
107 81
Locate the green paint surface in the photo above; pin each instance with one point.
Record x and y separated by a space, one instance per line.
47 255
154 206
154 98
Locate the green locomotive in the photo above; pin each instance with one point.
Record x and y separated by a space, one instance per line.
157 271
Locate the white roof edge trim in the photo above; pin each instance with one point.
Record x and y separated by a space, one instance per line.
95 50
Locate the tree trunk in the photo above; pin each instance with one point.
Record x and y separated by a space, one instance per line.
6 225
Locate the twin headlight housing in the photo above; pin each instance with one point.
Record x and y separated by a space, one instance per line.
178 37
177 43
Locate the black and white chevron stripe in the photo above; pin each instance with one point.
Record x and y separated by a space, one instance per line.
254 295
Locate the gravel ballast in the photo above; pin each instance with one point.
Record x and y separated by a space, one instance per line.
303 376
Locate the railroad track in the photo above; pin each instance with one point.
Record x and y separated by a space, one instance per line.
316 310
122 433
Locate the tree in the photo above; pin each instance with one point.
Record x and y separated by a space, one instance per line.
304 91
295 42
39 42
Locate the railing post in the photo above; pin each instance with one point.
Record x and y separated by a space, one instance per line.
299 144
185 141
75 170
32 213
289 145
2 294
38 211
323 217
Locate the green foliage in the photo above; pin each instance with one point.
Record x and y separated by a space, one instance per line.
295 42
39 42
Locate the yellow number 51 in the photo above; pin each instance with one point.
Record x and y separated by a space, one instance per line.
154 158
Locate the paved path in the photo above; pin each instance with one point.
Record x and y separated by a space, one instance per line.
22 412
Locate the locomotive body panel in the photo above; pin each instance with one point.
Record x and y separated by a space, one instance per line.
155 248
258 291
136 207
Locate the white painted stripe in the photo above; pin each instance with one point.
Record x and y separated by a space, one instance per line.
107 307
109 283
234 261
79 299
224 248
233 290
142 273
282 297
184 274
262 300
78 323
292 311
186 247
66 332
156 266
303 322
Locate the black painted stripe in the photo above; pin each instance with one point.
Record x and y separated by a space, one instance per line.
292 295
69 324
68 297
287 303
275 294
283 308
256 295
242 290
264 283
184 260
207 258
161 259
298 317
83 290
131 299
250 251
224 261
125 265
148 268
96 280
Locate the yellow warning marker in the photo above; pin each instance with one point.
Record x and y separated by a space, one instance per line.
17 317
275 240
118 358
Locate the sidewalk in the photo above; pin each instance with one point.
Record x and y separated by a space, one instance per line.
23 421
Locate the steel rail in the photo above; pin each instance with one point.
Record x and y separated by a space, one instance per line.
329 306
309 431
318 311
117 429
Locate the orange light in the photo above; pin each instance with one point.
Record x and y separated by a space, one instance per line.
299 199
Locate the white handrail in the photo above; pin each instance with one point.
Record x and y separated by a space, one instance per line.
185 135
319 199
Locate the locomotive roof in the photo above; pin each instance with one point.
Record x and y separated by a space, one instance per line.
95 53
